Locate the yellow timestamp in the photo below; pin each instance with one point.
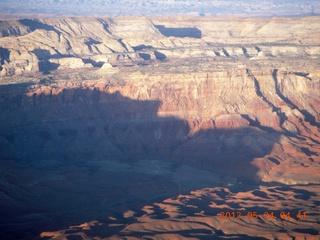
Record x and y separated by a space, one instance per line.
266 215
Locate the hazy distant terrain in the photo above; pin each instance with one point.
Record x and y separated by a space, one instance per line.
17 8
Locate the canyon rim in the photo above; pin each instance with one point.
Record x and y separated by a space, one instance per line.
160 127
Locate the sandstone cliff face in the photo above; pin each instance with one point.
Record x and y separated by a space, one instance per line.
197 118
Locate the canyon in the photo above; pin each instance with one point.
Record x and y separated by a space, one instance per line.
154 127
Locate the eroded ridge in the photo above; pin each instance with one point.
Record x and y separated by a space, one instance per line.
45 45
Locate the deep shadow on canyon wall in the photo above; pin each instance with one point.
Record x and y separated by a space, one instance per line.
58 130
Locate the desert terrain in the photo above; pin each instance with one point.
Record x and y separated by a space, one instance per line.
160 128
112 8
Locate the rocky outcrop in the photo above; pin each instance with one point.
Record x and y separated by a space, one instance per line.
70 63
142 41
13 28
15 62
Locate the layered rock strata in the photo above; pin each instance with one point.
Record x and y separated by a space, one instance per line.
97 110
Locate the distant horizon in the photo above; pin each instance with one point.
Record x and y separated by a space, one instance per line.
148 8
